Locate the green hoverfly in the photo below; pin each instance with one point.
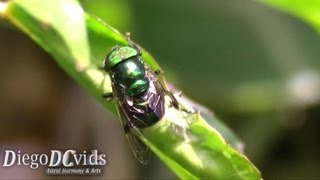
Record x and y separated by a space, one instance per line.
139 95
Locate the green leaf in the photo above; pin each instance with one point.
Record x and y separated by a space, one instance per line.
79 43
307 10
200 153
211 119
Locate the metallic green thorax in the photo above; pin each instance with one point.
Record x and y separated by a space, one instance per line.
119 54
131 74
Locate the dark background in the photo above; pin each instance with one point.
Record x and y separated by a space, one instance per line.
255 67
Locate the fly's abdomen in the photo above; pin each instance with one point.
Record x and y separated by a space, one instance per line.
149 111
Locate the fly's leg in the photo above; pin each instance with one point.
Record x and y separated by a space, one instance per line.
159 72
174 101
108 96
127 127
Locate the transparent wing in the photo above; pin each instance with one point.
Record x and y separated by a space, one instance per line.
133 134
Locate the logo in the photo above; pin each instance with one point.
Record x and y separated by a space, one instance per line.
57 162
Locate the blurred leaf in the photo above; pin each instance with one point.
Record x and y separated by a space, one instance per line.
67 21
64 31
230 137
236 56
307 10
117 13
201 153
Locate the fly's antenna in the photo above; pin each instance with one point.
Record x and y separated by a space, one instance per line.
131 43
128 34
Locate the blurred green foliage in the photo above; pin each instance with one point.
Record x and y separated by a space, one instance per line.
308 10
116 12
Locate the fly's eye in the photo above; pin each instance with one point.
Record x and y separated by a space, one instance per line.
119 54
